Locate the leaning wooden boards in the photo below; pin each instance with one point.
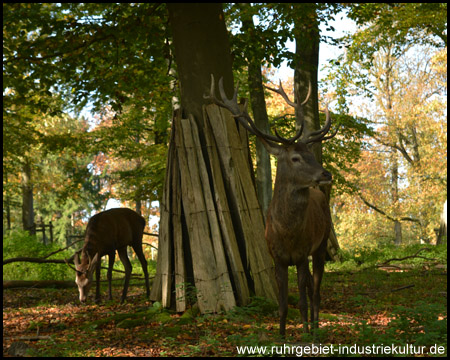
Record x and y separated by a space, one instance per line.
210 208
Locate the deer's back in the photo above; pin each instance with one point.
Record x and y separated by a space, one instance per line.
114 229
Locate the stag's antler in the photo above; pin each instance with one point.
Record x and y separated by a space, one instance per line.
75 258
242 115
247 122
319 135
298 107
315 136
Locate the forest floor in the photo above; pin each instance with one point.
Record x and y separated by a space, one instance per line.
373 311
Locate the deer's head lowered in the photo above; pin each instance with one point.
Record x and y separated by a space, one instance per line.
84 268
298 220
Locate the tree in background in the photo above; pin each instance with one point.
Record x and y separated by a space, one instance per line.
406 86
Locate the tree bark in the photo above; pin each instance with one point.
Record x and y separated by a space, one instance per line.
258 105
306 66
307 40
211 229
202 48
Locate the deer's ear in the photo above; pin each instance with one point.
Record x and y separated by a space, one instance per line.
271 147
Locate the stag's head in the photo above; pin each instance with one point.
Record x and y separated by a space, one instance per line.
84 269
296 163
297 166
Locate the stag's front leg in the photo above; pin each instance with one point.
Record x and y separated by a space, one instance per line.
127 265
109 274
97 277
282 280
304 280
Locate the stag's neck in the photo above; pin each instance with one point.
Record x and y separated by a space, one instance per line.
289 204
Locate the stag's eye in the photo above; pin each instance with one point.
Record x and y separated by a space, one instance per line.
296 159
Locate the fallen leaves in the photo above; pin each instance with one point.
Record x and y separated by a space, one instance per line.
355 307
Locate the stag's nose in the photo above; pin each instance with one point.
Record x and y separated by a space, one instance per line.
324 178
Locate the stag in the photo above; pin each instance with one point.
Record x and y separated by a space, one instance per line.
106 232
298 219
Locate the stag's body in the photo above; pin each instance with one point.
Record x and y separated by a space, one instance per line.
291 230
298 219
298 224
106 232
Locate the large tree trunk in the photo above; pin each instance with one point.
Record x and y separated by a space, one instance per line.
258 105
211 229
307 39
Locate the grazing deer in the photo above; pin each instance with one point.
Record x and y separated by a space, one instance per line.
106 232
298 219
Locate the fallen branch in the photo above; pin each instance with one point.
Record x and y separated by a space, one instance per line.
34 260
59 284
407 257
42 260
29 338
403 287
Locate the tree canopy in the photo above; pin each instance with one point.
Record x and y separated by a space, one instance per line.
117 61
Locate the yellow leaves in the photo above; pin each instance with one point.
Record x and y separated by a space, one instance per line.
439 62
402 173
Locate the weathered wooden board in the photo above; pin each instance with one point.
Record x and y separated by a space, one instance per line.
241 191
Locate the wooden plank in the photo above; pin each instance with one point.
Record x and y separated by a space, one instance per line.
202 252
225 221
241 188
226 298
165 243
263 270
161 283
179 264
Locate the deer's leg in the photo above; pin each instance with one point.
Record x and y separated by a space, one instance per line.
127 265
304 282
282 280
97 277
318 269
310 288
110 269
143 261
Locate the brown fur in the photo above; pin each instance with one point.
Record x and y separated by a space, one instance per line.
298 225
106 232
